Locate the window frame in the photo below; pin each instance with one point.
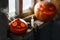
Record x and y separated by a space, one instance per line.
21 14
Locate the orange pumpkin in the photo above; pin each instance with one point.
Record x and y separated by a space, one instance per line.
44 11
18 26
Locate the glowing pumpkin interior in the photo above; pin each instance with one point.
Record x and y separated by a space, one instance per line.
44 11
18 26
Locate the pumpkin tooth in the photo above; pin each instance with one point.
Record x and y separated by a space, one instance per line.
18 26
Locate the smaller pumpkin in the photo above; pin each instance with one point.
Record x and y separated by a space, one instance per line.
18 26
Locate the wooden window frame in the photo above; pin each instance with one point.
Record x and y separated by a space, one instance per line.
21 14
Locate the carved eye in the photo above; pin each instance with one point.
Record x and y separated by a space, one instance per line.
14 24
22 24
51 8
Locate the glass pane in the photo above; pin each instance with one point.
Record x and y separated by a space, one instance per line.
48 0
38 0
27 4
11 8
17 7
44 0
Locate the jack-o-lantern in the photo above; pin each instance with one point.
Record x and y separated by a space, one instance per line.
44 11
18 26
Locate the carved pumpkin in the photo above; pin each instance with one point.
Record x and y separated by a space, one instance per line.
44 11
18 26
